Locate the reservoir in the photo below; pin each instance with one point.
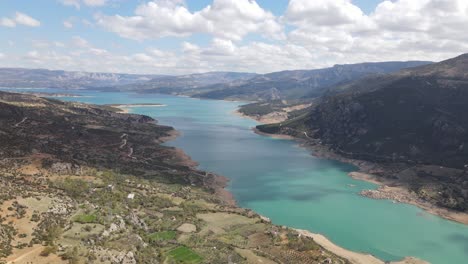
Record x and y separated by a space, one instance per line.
280 180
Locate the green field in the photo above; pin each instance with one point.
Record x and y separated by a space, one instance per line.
162 236
85 218
184 255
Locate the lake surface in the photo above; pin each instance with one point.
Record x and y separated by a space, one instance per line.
282 181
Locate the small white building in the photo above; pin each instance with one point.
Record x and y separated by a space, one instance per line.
131 196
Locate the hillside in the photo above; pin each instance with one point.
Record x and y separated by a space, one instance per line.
86 184
409 119
301 83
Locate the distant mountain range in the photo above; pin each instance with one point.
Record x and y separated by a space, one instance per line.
301 83
190 84
213 85
42 78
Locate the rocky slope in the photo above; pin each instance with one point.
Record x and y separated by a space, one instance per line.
409 119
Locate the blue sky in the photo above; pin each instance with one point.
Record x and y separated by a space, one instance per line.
176 36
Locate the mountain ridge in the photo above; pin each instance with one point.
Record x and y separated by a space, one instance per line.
303 83
413 118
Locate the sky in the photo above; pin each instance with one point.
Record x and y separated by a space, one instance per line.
192 36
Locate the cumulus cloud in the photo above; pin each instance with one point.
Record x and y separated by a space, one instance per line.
230 19
26 20
19 19
395 30
323 12
220 54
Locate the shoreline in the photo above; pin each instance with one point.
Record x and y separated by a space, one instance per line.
125 108
388 189
135 105
352 256
218 182
221 182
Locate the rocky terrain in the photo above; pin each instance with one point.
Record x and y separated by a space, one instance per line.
404 122
86 184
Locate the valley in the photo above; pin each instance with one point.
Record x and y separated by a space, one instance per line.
316 183
234 132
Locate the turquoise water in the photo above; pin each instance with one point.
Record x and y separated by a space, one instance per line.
284 182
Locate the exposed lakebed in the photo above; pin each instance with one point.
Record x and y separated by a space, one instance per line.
284 182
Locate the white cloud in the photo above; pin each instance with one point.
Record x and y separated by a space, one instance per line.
80 42
94 2
7 22
77 3
2 55
157 52
323 12
21 19
395 30
67 24
33 55
142 57
229 19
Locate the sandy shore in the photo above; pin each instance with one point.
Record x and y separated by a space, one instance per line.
125 108
353 257
137 105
